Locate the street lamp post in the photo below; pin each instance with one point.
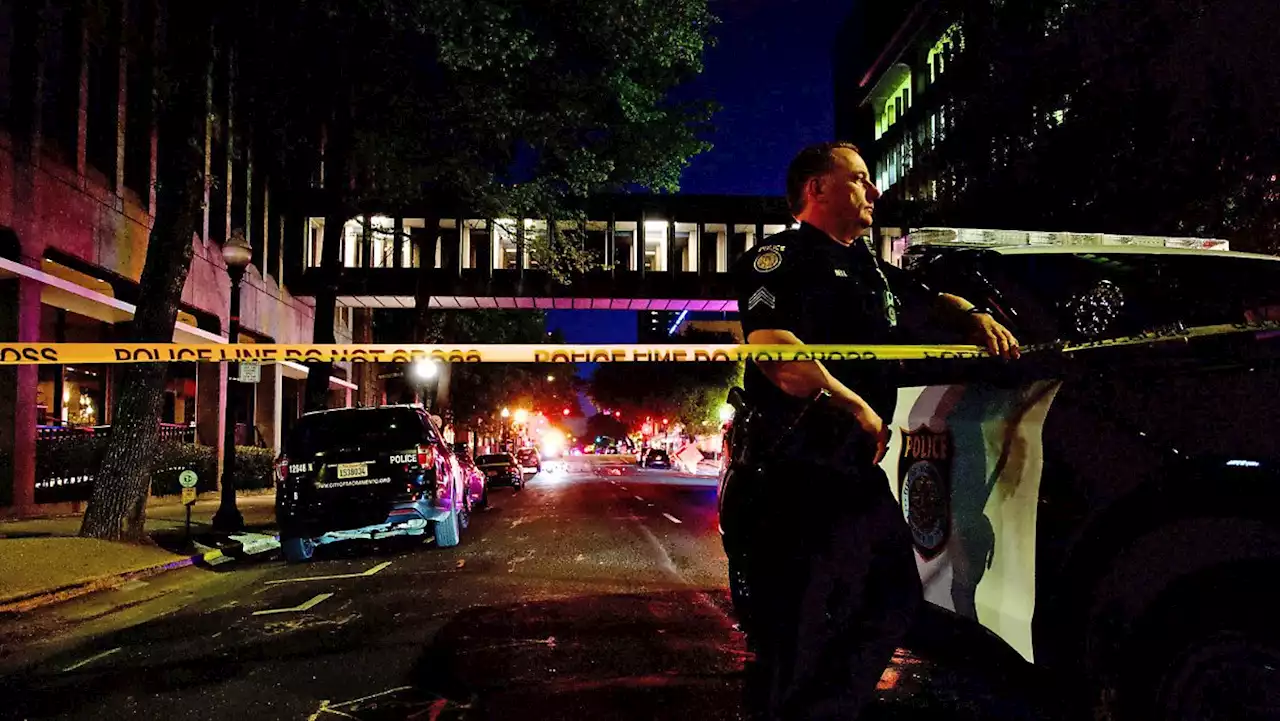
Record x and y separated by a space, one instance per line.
237 253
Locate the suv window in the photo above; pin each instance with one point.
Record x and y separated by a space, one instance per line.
1085 295
358 429
1047 297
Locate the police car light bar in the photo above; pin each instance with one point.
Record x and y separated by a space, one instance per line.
977 237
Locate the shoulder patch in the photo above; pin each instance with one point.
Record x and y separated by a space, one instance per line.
768 259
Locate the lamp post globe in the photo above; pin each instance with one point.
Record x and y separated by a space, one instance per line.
237 253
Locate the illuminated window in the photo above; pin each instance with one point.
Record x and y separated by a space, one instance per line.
894 106
944 51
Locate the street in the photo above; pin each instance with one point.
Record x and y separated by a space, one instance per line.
595 593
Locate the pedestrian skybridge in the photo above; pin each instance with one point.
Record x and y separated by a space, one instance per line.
646 253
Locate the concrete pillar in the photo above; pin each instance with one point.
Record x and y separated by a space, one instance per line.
699 253
673 261
19 322
267 410
211 407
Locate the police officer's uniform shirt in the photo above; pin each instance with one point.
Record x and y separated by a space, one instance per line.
824 292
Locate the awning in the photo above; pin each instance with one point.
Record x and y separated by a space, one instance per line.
62 293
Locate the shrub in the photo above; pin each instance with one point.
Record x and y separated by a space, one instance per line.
255 468
70 456
172 458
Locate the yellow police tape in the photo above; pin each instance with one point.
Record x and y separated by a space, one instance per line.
54 353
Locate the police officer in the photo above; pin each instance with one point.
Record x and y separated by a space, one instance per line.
821 561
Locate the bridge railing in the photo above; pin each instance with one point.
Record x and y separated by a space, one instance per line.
648 244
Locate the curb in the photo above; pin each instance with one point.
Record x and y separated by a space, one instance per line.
23 603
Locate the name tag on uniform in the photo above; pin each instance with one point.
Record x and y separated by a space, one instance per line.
842 273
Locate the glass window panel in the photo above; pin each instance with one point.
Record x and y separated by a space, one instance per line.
504 249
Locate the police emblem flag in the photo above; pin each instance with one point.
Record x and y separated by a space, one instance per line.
924 488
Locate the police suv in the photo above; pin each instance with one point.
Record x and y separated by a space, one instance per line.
370 473
1106 506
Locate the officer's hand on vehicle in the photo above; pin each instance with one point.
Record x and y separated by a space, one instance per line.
875 427
999 340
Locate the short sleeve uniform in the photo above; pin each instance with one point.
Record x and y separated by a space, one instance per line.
824 292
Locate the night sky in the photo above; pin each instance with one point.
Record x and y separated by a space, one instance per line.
771 74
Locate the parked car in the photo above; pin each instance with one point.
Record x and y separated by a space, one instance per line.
501 469
475 477
530 460
1109 513
369 473
657 458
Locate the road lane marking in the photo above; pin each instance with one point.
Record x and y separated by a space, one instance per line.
672 518
638 498
388 692
304 607
90 660
362 574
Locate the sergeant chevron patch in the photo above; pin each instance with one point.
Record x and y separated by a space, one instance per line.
761 297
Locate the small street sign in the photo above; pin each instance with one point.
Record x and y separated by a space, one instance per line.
250 372
188 496
187 479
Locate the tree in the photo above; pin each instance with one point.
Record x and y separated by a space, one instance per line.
1130 116
378 103
117 507
507 109
690 394
601 425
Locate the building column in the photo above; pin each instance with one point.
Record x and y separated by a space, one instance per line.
19 322
673 263
639 244
610 248
211 408
486 248
699 254
268 411
397 240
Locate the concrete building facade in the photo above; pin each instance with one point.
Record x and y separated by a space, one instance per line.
78 149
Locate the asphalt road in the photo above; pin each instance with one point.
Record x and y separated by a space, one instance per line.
595 594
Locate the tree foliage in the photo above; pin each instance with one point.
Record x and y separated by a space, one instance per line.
501 107
690 394
1132 116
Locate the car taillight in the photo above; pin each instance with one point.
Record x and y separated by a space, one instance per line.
426 456
282 468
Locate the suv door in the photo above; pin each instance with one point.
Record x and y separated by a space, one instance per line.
964 461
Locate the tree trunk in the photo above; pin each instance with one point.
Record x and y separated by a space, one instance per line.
337 159
117 509
426 241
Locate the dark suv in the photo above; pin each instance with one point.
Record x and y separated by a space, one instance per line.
369 473
1107 513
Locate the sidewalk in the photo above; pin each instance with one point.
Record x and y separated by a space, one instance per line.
45 561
